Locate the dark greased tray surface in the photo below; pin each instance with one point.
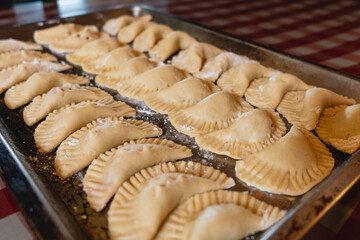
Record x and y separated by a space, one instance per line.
58 208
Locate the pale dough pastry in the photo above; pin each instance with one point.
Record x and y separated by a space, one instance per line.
193 58
10 44
106 173
144 201
151 81
219 215
59 97
291 166
112 26
249 133
128 33
340 126
59 124
303 108
183 94
83 146
150 36
21 72
16 57
215 112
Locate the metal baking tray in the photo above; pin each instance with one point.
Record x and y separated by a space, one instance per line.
57 209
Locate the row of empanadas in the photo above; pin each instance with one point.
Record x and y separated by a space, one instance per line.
114 25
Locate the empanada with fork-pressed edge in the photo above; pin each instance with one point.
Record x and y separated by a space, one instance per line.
249 133
111 61
215 66
16 57
267 92
10 44
125 71
303 108
219 215
193 58
84 145
237 79
151 81
112 26
215 112
145 200
183 94
128 33
340 127
59 124
291 166
59 97
150 36
106 173
92 51
173 42
21 72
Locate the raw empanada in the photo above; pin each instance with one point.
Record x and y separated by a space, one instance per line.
84 145
340 127
193 58
219 215
19 73
145 200
124 72
16 57
150 36
291 166
237 79
303 108
215 66
267 92
128 33
215 112
112 26
106 173
111 61
183 94
249 133
10 44
151 81
59 124
173 42
59 97
93 50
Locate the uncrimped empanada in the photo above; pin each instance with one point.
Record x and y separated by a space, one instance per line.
59 97
340 127
215 112
151 81
125 71
19 73
173 42
128 33
92 51
303 108
112 26
145 200
219 215
16 57
291 166
59 124
84 145
150 36
111 61
193 58
10 44
249 133
106 173
183 94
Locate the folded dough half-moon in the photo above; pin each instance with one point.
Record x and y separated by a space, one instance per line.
145 200
249 133
59 124
16 57
106 173
150 36
128 33
59 97
303 108
10 44
219 215
112 26
215 112
291 166
340 126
